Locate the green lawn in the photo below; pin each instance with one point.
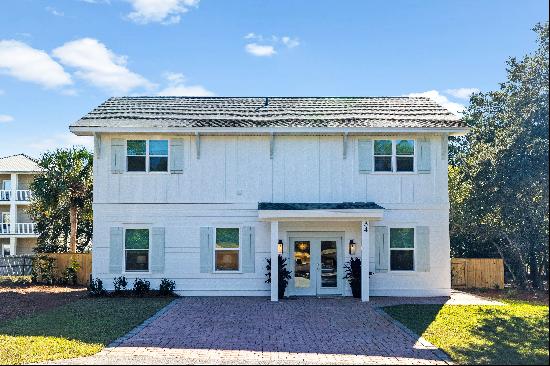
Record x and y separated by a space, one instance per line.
80 328
512 334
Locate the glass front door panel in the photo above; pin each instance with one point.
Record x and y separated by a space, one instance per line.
302 264
329 264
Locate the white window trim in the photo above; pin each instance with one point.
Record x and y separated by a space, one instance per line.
413 249
393 157
124 270
6 246
227 249
147 156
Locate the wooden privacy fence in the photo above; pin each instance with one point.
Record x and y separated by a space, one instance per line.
477 273
63 260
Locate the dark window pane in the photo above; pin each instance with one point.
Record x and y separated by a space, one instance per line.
405 164
136 163
382 147
402 260
382 163
227 238
401 238
404 147
135 147
158 164
158 147
227 260
302 265
329 264
137 239
137 260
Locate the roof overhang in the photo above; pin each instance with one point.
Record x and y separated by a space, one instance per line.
91 130
321 215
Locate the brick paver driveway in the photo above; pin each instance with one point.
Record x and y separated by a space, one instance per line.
257 331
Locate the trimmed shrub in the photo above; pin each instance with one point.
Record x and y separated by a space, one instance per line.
167 287
141 287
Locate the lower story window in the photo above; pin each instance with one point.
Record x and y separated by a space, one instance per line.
136 250
402 249
227 249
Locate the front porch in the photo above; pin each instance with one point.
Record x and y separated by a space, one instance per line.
317 239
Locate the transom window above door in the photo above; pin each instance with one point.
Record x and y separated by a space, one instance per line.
147 155
394 155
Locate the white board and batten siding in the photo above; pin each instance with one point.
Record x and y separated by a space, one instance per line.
223 184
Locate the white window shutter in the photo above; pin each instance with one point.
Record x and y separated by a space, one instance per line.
176 156
116 250
382 247
156 250
206 249
365 155
248 249
117 155
422 249
424 164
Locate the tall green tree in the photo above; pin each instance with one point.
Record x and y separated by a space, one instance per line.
498 177
61 203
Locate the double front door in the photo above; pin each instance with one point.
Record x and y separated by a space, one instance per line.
316 264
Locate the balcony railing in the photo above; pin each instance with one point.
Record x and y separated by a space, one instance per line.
20 228
20 195
23 195
5 195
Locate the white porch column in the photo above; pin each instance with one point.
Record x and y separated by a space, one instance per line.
13 245
274 261
13 199
365 259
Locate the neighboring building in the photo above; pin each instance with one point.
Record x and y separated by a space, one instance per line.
203 190
17 231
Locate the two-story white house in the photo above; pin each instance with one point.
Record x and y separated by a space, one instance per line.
17 231
203 190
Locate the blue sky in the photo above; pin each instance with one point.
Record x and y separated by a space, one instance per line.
59 59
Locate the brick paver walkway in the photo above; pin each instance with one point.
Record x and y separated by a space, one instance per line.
237 330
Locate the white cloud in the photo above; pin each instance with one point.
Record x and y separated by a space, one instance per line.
55 12
160 11
25 63
455 108
5 118
177 87
265 46
462 93
100 66
290 42
61 140
260 50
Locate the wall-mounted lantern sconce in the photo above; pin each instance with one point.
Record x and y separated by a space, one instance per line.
352 247
280 247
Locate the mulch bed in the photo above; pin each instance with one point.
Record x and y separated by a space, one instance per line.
17 301
513 294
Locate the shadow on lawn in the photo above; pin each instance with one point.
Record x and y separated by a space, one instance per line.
508 340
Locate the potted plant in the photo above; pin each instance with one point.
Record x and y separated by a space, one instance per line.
352 270
284 275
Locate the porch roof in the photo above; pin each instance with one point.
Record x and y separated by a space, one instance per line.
314 211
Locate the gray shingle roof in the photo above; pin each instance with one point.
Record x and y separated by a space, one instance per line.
319 206
18 163
239 112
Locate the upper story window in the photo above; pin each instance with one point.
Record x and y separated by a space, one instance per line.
394 155
227 249
147 155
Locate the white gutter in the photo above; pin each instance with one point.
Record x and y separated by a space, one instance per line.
89 131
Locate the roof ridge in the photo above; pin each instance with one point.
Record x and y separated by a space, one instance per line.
20 154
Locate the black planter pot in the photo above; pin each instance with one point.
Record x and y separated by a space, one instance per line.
356 290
